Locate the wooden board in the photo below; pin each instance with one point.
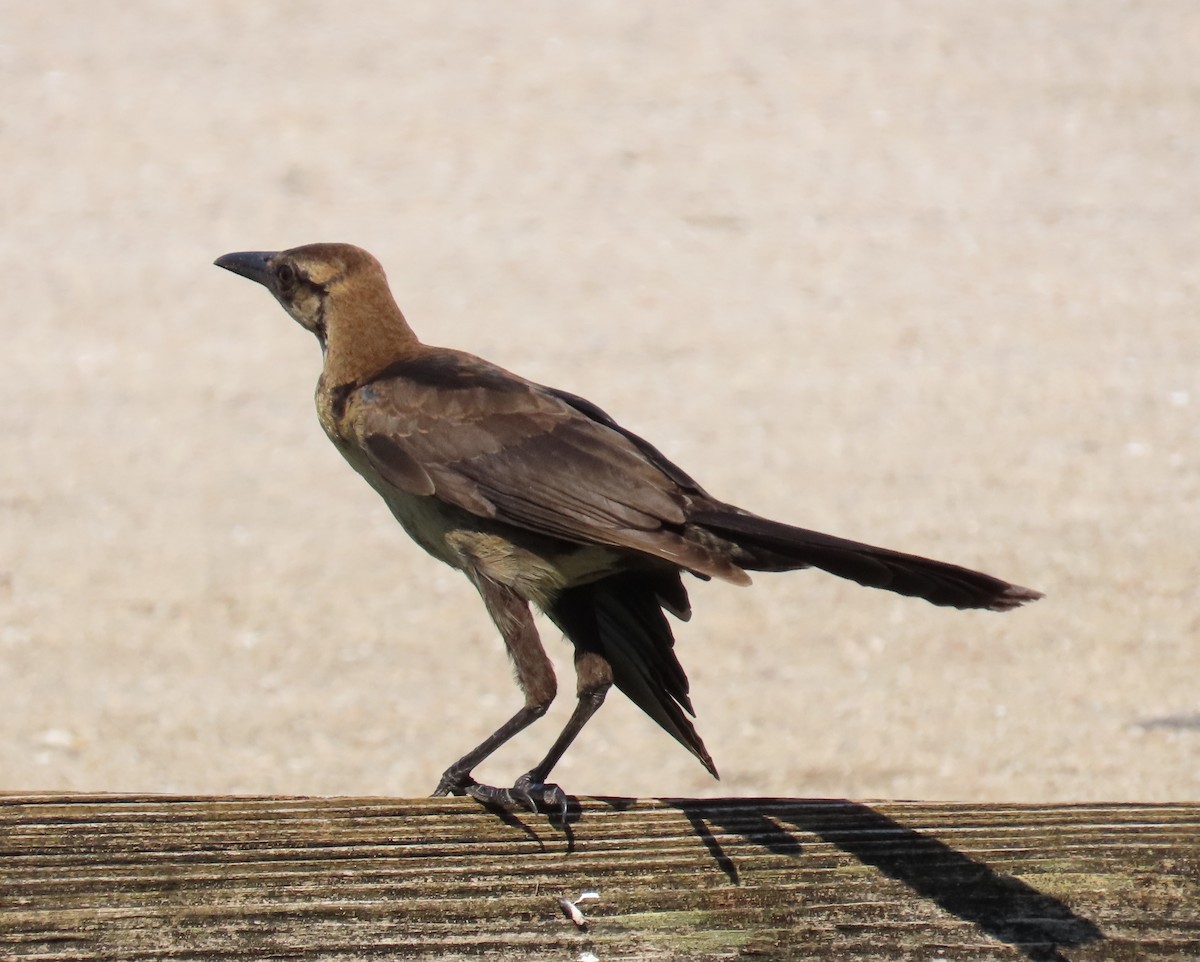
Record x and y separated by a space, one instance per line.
152 877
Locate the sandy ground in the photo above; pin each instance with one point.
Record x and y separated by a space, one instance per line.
922 273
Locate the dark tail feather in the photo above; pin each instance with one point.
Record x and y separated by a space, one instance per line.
771 546
621 619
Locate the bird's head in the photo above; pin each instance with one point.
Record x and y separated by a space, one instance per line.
305 279
337 291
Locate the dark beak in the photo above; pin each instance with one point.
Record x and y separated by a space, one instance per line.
252 264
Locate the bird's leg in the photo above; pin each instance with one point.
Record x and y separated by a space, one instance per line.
531 790
535 676
457 780
594 679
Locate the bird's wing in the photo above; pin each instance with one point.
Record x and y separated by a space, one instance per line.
474 435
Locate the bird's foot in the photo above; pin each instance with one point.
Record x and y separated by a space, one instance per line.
525 794
454 782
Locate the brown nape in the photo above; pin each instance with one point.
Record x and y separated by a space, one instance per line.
538 496
365 330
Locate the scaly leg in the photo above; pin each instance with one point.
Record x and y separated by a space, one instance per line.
594 680
535 676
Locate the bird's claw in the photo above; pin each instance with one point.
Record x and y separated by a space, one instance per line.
454 783
524 794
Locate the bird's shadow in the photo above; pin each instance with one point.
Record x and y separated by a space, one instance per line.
1003 907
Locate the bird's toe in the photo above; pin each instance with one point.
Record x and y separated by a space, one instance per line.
453 782
545 796
525 794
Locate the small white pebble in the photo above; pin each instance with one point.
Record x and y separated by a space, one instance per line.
570 910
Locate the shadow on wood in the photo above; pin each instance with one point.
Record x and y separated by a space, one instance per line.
1003 907
122 877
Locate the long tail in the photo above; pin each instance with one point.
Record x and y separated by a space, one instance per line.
621 618
764 545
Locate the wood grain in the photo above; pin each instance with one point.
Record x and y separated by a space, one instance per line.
153 877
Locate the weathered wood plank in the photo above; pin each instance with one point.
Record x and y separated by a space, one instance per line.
149 877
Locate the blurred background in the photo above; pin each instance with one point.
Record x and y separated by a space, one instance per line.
915 272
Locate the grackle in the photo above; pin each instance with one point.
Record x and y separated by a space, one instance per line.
537 495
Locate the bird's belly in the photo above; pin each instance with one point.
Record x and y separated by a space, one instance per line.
428 522
535 567
424 519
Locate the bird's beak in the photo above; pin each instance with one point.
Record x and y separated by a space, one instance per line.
252 264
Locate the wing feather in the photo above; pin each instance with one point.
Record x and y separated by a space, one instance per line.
502 447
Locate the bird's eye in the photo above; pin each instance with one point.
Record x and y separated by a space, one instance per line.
285 276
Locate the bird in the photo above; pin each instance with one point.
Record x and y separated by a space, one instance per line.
540 498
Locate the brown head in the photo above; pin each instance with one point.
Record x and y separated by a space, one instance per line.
338 292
